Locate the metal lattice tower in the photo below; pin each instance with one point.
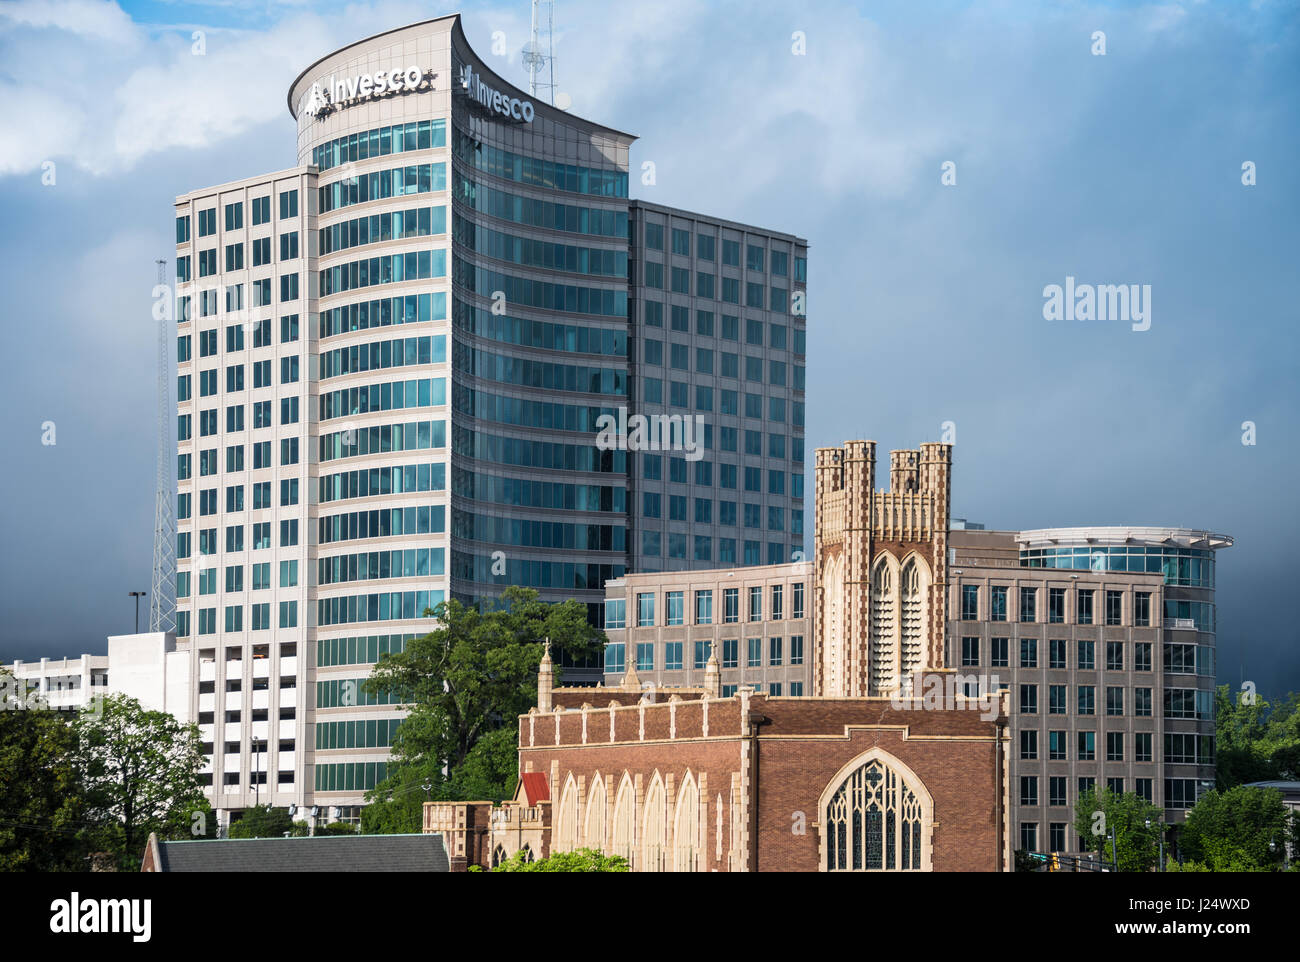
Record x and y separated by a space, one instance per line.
539 52
162 596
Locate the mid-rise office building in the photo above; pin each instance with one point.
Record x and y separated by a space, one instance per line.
754 621
1104 637
394 359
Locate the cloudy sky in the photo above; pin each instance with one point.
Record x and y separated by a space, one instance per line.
926 299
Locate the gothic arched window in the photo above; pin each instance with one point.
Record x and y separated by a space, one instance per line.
877 820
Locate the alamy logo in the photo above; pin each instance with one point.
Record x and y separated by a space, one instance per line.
658 432
1103 302
73 916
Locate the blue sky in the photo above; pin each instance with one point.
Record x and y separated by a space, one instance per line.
925 299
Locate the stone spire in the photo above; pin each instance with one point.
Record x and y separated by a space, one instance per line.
712 676
545 679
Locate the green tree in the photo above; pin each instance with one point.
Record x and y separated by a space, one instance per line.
579 860
466 683
263 821
42 797
1231 831
1255 740
1099 812
141 770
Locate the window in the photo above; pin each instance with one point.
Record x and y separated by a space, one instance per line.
288 204
1114 607
1087 697
1142 610
1056 789
681 242
970 597
731 653
704 607
998 603
234 216
1056 837
774 651
702 651
1114 700
1142 702
1029 699
1029 836
731 605
754 256
796 651
970 652
756 603
645 609
754 648
1056 649
1028 602
672 656
1087 655
1087 746
796 604
1114 656
1056 606
615 657
1028 652
676 608
1083 606
1028 789
1142 787
1142 747
1029 744
999 649
1142 656
616 613
1114 746
645 656
1179 792
1056 700
288 246
1056 751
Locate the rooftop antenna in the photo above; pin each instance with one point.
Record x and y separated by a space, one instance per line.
162 596
539 55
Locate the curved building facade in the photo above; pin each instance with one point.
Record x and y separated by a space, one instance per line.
1106 638
394 359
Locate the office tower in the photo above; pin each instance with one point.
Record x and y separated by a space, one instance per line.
393 363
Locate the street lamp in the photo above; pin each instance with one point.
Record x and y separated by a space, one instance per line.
1162 842
137 595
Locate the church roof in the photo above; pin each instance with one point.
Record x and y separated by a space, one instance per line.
534 787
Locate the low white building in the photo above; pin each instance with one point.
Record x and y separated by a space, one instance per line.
148 667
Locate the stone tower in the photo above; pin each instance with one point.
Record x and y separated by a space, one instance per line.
880 568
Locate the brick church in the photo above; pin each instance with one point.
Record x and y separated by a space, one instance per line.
872 772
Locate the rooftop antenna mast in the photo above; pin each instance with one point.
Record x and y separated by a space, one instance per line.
162 597
539 54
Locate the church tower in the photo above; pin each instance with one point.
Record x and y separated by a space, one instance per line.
880 568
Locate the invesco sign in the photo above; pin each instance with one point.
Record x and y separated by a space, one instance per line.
494 100
343 92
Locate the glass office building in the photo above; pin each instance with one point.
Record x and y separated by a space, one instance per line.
393 362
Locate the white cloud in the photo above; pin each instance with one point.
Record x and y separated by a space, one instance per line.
85 18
